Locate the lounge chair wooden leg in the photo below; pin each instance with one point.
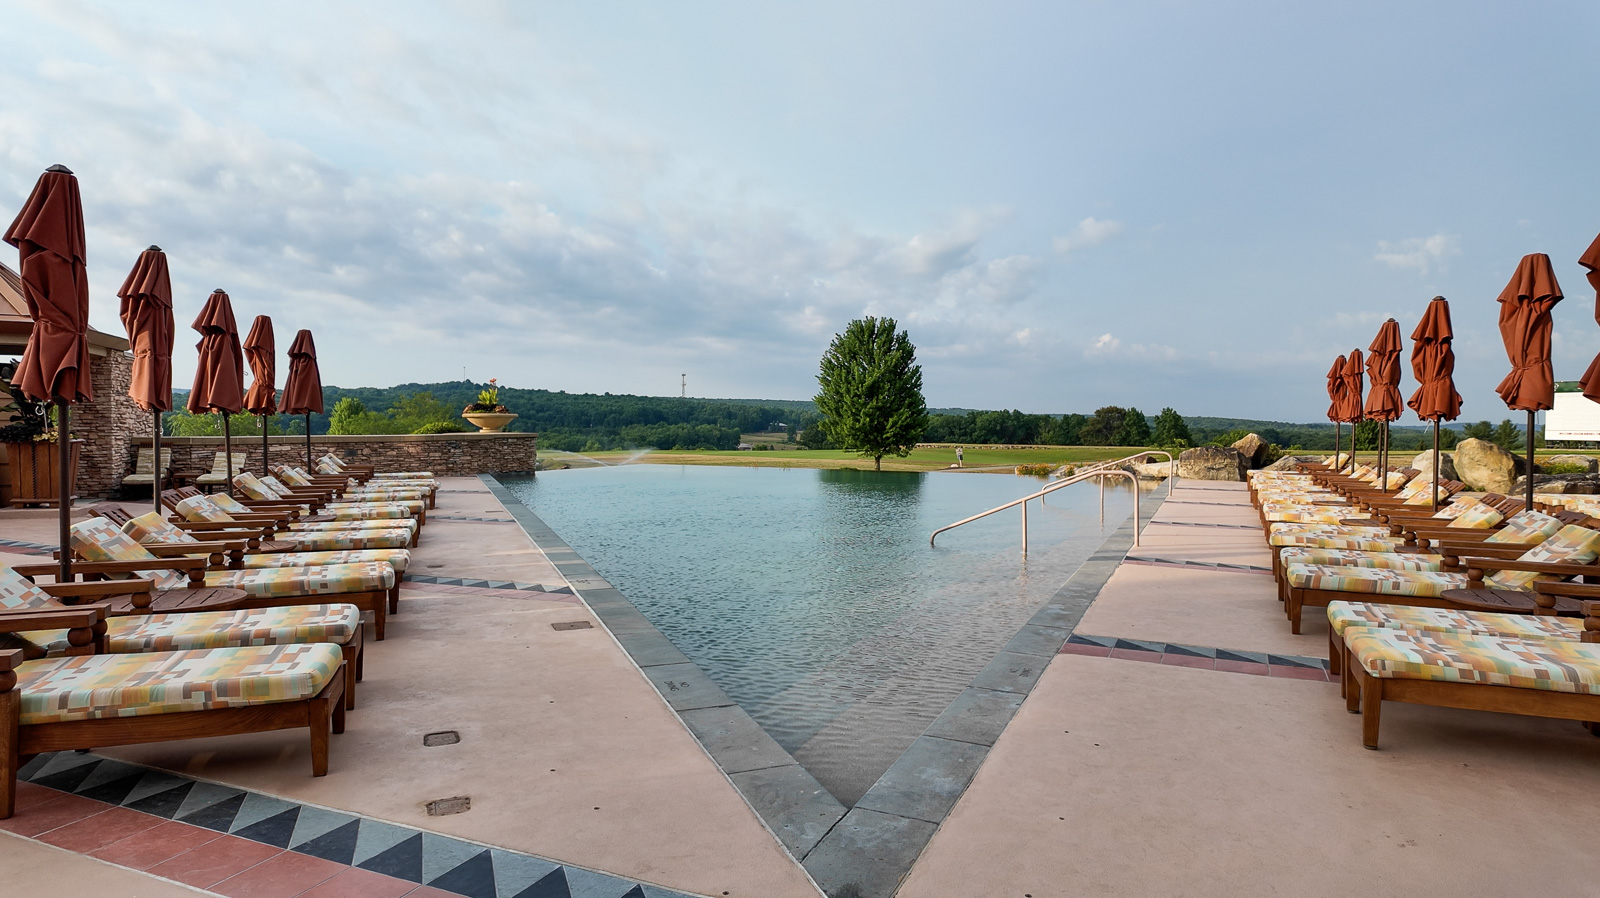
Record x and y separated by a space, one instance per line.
380 616
321 712
10 717
1294 611
1352 680
1371 705
394 597
338 721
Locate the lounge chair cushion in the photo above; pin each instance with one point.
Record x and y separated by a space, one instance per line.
18 593
151 528
1373 581
1525 528
1571 545
1389 560
317 580
1360 542
1304 515
1546 664
1477 516
1344 615
398 559
207 509
343 540
201 508
284 625
88 687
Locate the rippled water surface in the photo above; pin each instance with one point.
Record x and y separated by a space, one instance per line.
812 597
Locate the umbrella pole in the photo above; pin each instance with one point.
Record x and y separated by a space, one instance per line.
64 485
1436 465
1336 438
1384 486
265 468
227 451
1529 506
156 480
309 469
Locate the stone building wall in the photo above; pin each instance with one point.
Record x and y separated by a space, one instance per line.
107 425
442 453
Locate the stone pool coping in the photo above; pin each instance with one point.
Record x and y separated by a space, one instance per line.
866 850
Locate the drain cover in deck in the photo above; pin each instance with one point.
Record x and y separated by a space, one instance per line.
572 625
443 737
444 807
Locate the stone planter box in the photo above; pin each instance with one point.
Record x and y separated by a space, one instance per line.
34 473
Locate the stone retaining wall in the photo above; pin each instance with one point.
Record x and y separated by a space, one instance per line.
442 453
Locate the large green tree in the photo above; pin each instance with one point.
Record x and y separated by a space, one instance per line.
1135 429
1171 430
871 391
1103 428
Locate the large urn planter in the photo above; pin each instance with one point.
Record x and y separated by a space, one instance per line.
35 472
490 422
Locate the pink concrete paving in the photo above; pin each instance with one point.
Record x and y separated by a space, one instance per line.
29 867
566 749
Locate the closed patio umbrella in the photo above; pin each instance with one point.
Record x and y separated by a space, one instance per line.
260 350
1383 401
1591 260
49 236
1433 364
1525 306
1336 401
302 391
1353 388
219 377
147 316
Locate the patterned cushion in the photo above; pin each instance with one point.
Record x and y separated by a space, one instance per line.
286 625
1571 545
409 525
293 476
398 559
320 580
1394 561
97 539
1372 542
404 475
87 687
1476 516
384 495
325 468
389 512
151 528
253 487
412 507
1304 516
340 540
1343 615
1377 581
1525 528
18 593
202 509
1550 665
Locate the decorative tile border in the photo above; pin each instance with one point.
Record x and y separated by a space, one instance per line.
1204 524
485 584
220 838
29 548
1266 664
441 517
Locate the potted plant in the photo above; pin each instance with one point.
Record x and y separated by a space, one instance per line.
487 413
33 458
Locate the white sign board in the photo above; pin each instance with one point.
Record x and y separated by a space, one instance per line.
1575 417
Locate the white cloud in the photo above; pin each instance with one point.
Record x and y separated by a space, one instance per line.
1422 253
1089 232
1109 345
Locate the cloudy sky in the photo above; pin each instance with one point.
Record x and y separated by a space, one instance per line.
1066 204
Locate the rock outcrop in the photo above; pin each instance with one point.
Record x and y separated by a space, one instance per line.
1485 467
1424 464
1577 484
1253 448
1589 463
1212 463
1288 462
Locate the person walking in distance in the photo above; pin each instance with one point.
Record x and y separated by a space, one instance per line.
959 463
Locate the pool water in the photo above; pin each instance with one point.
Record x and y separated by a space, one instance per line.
813 598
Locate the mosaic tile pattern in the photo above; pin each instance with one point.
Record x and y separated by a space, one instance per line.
486 584
26 547
1295 667
441 517
217 837
1203 524
1204 565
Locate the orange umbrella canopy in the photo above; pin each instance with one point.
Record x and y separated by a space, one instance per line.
1352 388
1525 306
219 379
1433 364
302 391
259 350
147 316
1336 389
1591 260
1383 368
48 235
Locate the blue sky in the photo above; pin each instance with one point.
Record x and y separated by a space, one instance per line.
1067 205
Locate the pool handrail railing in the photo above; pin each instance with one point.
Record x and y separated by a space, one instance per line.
1172 468
1098 472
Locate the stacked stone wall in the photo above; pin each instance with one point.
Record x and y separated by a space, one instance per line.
107 425
443 454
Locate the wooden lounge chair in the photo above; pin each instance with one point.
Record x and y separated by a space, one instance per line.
99 543
145 472
218 475
97 701
21 601
1571 552
151 530
1536 677
269 489
202 513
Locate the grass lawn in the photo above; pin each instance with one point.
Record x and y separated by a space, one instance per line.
978 457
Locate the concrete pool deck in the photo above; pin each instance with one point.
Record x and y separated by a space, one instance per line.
1181 742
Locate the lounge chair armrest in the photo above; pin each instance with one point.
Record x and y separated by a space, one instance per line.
9 659
1568 588
62 618
96 589
1477 565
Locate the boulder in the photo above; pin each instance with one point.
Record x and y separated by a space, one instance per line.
1424 465
1213 463
1589 463
1253 448
1152 470
1575 484
1288 462
1484 467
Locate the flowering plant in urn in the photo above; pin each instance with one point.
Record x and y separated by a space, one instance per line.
487 412
488 400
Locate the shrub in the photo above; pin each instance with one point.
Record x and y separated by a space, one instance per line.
1039 470
441 427
1565 468
762 447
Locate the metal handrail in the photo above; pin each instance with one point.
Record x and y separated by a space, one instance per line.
1076 478
1172 467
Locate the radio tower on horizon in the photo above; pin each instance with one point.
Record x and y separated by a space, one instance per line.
683 386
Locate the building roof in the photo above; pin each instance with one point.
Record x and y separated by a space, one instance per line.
16 324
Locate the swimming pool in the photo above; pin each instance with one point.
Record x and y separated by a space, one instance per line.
812 597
